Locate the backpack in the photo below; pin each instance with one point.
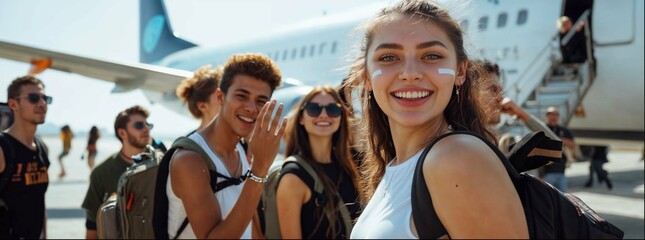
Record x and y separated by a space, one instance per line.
127 214
550 214
160 214
140 207
268 208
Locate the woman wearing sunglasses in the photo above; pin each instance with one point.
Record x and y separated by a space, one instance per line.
318 132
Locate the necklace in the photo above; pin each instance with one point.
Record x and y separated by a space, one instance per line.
386 190
237 169
239 162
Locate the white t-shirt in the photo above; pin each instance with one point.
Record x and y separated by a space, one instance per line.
388 214
226 197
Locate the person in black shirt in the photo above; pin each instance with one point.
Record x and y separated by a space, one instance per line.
318 132
575 50
24 163
554 173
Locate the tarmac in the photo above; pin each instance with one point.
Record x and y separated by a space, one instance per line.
623 206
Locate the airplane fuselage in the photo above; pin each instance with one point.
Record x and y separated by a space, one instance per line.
518 35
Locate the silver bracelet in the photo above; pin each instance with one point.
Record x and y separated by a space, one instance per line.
256 179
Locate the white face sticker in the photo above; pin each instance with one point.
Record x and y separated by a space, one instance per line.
376 73
446 71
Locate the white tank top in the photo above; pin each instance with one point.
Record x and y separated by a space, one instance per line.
388 214
226 197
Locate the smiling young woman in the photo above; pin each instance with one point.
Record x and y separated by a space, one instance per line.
319 134
412 76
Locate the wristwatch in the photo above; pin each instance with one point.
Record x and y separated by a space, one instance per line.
257 179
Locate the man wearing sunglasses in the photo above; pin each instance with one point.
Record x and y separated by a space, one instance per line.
24 163
133 130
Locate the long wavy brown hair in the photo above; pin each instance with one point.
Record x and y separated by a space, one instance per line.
297 143
464 114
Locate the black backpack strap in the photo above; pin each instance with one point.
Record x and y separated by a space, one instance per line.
318 192
426 221
183 226
9 157
43 151
215 187
160 213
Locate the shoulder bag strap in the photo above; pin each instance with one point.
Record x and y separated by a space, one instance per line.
426 221
160 212
9 157
43 151
319 188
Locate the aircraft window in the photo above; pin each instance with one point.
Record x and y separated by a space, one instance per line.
501 20
303 52
312 49
276 56
284 54
333 47
464 25
294 52
483 23
322 48
522 17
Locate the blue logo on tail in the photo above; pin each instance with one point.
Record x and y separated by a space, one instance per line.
152 33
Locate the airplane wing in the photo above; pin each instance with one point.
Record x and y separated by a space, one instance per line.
125 76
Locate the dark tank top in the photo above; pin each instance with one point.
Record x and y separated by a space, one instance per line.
347 192
24 193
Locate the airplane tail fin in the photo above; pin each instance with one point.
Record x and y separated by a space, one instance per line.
156 38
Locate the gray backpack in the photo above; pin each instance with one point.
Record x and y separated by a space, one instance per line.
128 214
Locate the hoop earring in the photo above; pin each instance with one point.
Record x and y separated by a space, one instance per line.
457 92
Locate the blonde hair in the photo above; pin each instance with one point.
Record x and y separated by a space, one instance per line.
560 23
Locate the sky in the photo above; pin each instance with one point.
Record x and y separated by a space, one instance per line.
108 30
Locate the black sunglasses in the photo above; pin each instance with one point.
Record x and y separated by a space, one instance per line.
141 124
315 109
34 98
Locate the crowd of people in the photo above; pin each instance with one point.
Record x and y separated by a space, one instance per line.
416 83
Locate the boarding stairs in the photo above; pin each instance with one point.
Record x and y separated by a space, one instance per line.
561 85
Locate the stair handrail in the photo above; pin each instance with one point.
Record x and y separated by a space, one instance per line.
581 20
520 85
585 80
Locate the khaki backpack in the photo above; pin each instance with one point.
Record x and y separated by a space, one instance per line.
128 214
268 209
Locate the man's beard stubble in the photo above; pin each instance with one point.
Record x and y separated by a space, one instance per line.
134 141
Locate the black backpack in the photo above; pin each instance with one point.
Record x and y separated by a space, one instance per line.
550 214
160 213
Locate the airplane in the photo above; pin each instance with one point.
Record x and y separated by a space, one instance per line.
520 36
